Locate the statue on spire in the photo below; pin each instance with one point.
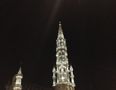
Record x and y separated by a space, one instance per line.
62 74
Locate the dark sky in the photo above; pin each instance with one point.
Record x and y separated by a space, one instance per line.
28 34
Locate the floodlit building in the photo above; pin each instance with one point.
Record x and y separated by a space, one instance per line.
63 77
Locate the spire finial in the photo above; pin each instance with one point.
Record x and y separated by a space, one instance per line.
53 69
60 31
60 26
20 71
59 22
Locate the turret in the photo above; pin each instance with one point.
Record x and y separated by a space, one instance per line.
18 80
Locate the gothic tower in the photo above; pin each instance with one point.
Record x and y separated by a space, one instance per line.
63 77
17 81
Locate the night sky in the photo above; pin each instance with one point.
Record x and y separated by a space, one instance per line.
28 34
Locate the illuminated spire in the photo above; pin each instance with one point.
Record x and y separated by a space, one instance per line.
60 32
18 79
62 73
